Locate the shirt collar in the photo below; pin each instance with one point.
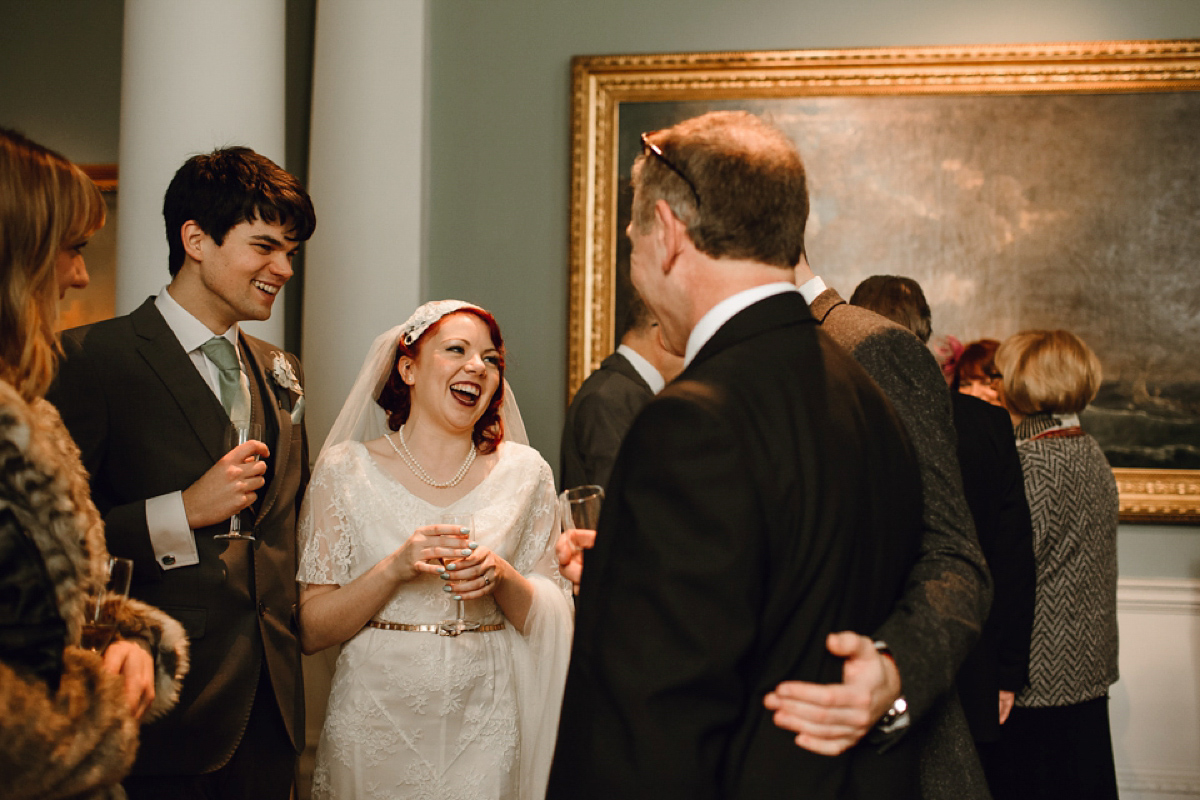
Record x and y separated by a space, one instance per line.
648 371
725 310
812 288
190 331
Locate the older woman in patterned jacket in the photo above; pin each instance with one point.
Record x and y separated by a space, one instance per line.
68 716
1057 742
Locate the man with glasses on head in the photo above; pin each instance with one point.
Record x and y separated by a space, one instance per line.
766 497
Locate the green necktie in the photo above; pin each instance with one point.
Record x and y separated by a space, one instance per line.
222 353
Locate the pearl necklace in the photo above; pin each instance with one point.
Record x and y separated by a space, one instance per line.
411 462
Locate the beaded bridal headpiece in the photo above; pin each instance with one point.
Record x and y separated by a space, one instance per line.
428 314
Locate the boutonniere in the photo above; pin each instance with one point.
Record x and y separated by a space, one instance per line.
285 377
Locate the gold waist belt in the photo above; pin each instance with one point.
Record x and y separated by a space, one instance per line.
401 626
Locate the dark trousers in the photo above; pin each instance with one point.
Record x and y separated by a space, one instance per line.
1059 752
263 767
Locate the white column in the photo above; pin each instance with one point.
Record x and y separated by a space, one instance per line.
363 267
194 76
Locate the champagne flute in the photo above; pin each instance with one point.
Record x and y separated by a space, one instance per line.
101 612
238 433
459 624
579 509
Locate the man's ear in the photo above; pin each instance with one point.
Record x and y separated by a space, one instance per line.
193 237
673 232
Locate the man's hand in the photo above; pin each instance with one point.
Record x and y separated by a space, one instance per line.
134 664
227 487
831 718
569 548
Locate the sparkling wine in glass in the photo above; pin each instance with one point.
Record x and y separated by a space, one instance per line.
459 623
238 433
101 613
579 507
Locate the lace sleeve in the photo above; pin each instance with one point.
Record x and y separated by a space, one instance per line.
538 523
325 530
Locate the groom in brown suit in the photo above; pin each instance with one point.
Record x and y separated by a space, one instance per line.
149 397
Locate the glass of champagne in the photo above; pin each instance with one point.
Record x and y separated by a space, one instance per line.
238 433
101 613
579 509
459 623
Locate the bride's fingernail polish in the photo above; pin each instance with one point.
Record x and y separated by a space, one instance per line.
444 576
447 589
472 545
458 597
465 552
452 566
464 531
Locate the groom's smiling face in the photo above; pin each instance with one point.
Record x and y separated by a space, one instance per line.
239 278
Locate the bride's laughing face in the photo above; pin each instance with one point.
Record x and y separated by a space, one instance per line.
455 374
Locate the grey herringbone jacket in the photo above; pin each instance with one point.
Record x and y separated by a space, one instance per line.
1073 502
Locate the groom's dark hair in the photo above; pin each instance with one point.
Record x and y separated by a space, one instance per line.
229 186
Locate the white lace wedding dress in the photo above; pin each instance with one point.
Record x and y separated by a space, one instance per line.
415 714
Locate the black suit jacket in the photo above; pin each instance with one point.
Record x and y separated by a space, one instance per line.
597 419
147 425
765 498
995 488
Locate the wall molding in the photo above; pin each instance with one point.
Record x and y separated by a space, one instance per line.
1158 596
1149 782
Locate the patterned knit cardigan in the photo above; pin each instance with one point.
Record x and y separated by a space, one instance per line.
80 741
1073 502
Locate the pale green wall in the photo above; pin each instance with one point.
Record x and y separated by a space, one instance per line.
500 149
500 105
499 121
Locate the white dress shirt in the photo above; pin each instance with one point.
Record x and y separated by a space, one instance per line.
644 368
725 310
166 520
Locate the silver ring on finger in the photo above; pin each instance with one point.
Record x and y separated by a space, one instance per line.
487 580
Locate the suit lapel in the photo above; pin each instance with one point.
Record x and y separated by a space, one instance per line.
619 363
201 409
264 403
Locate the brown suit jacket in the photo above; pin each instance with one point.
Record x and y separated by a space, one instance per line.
147 425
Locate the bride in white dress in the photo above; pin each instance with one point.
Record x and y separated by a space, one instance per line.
414 713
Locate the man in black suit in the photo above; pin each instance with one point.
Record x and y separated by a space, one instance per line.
766 497
605 405
148 400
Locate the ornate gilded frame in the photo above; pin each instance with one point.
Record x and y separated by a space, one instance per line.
601 84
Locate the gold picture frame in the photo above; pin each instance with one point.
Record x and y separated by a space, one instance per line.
604 88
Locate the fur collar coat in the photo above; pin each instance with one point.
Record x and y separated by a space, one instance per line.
77 741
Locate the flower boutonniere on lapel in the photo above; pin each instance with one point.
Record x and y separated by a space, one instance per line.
285 378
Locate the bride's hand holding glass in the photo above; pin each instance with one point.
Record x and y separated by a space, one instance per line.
476 575
427 548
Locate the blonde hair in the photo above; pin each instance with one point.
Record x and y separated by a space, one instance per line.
1047 371
46 204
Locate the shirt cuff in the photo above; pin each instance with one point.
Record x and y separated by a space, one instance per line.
170 537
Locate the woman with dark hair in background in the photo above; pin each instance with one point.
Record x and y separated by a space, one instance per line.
1057 743
975 371
68 716
428 430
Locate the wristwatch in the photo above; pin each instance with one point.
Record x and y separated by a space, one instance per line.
895 718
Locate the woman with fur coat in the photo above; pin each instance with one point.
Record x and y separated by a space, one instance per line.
68 716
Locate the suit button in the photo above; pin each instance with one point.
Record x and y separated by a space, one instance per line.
262 609
168 560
